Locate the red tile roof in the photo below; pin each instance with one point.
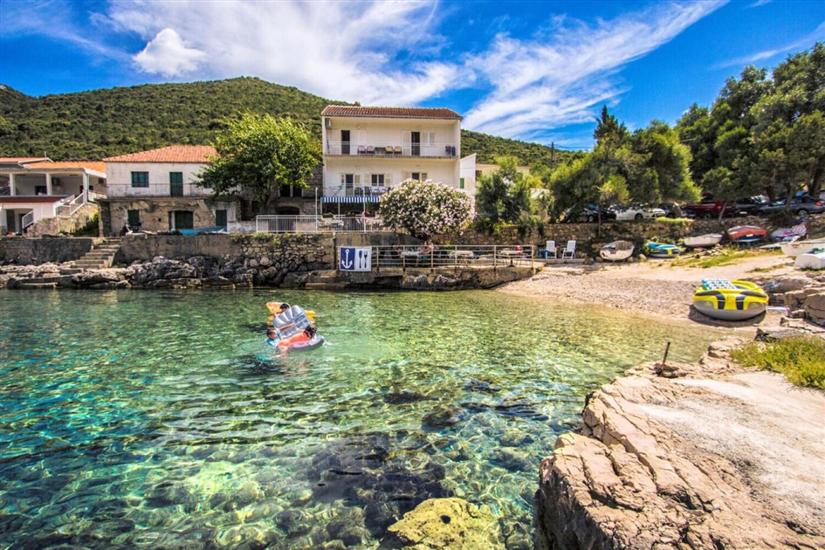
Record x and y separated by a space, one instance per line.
173 153
389 112
15 160
97 166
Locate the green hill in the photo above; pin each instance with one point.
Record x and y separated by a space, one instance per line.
100 123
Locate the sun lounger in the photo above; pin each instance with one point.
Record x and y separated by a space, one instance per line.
362 150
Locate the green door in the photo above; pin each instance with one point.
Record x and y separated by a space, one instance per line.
220 218
133 218
183 219
176 184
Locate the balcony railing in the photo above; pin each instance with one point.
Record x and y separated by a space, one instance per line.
157 190
435 150
317 224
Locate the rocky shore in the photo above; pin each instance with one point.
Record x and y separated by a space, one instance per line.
706 455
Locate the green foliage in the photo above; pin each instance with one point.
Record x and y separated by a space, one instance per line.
504 196
90 228
801 359
114 121
257 154
425 209
677 222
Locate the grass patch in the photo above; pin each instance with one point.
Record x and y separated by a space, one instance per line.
800 359
680 222
722 256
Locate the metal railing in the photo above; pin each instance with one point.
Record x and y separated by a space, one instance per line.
428 256
27 220
344 148
68 206
317 224
156 190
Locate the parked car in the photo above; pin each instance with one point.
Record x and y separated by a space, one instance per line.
672 210
802 206
637 212
707 208
588 214
750 205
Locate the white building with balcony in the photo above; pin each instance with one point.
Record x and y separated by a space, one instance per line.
368 150
33 189
157 190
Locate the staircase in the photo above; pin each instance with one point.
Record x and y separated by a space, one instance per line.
99 256
325 280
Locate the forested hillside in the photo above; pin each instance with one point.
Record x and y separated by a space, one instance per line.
100 123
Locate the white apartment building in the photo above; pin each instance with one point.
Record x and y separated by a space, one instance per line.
368 150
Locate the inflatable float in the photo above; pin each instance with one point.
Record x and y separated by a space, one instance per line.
653 249
289 326
617 251
798 248
730 300
703 241
814 259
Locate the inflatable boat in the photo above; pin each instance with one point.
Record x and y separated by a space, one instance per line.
746 234
814 259
291 323
789 234
798 248
703 241
653 249
617 251
730 300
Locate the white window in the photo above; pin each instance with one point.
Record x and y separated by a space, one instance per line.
420 176
427 138
377 179
349 182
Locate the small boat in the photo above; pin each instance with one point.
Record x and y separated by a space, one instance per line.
746 234
789 234
653 249
815 259
617 251
708 240
796 248
730 300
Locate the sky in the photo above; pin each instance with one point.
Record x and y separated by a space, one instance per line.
536 70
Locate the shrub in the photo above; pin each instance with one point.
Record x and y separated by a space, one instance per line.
681 222
801 359
425 209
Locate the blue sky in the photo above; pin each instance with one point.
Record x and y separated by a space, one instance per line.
537 70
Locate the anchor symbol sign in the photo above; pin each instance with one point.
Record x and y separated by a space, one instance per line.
346 263
355 258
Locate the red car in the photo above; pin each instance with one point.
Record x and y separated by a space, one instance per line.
709 208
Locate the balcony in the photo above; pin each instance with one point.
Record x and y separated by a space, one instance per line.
117 190
433 150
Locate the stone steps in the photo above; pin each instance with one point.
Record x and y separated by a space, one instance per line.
30 284
100 256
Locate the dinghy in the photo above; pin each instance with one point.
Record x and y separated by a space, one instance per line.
789 234
653 249
617 251
730 300
703 241
796 248
815 259
746 234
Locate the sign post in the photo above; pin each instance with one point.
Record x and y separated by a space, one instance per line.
354 258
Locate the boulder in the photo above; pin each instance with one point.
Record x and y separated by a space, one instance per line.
815 307
447 523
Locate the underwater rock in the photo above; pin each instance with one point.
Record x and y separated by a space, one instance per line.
481 386
450 523
292 522
515 438
247 493
169 493
510 460
402 397
519 408
441 417
246 535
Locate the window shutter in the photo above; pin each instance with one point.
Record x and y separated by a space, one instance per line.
387 179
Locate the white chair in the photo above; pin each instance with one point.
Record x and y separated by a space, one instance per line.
569 251
550 250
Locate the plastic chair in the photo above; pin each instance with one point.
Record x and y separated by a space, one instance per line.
550 250
570 250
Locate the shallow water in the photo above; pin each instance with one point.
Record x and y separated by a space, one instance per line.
153 418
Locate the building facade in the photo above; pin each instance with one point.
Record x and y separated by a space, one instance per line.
157 191
368 150
33 189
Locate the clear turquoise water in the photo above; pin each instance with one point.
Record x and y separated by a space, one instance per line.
160 419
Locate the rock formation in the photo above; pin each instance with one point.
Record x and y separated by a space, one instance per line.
689 456
447 523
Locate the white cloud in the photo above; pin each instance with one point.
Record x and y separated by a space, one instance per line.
166 54
343 50
559 80
804 42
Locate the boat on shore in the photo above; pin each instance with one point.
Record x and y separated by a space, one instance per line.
746 234
815 259
730 300
789 234
708 240
617 251
794 249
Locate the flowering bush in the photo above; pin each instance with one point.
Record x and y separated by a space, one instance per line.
425 209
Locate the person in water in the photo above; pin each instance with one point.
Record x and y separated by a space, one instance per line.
300 338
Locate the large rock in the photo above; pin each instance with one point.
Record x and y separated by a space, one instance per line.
715 458
815 307
450 523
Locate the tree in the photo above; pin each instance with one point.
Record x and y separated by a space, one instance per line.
609 131
505 197
425 209
257 154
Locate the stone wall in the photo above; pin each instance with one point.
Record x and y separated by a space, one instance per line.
27 251
65 226
155 212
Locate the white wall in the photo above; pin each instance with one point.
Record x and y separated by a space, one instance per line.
62 184
395 132
468 172
119 176
439 170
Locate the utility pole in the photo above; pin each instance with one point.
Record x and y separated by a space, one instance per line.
553 153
